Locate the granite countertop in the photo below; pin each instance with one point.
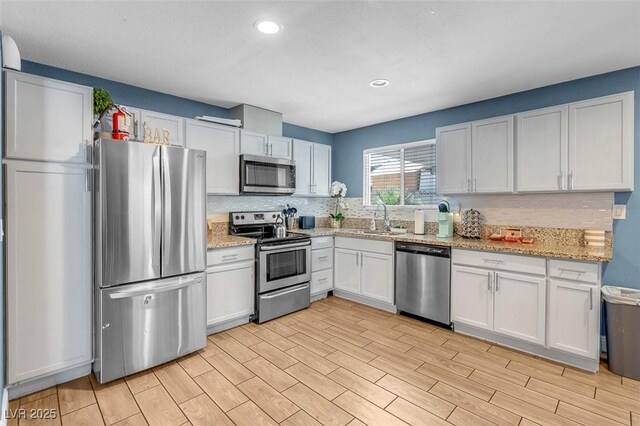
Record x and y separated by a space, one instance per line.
557 250
220 241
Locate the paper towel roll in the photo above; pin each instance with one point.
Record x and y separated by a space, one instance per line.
418 227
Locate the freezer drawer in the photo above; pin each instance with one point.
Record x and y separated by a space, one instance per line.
143 325
282 302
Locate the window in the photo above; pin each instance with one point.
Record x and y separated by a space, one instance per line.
401 175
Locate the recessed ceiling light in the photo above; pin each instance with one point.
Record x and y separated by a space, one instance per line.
379 82
433 12
267 27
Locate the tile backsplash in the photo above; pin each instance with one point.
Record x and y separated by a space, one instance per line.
570 210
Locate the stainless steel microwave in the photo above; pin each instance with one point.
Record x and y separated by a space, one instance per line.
267 175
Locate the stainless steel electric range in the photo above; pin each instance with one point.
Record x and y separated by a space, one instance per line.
283 265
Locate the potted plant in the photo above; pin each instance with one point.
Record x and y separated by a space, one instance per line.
101 102
338 191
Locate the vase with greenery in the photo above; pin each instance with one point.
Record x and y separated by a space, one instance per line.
338 191
101 103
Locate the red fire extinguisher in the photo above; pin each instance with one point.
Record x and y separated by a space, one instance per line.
121 123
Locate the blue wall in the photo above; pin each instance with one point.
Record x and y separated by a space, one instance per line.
348 146
161 102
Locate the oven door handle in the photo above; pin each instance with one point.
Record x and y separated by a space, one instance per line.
282 293
284 247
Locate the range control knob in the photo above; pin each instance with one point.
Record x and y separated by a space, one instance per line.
237 217
242 217
273 216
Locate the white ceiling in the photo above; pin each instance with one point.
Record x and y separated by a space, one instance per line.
316 71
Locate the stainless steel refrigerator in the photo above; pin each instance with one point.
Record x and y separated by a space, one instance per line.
150 255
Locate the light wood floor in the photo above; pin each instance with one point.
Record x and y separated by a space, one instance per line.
343 363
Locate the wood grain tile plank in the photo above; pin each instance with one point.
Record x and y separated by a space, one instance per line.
555 379
602 382
400 358
469 386
366 411
210 349
177 382
403 373
194 364
462 417
220 390
529 411
312 344
315 381
312 331
13 414
301 418
350 349
202 411
88 416
38 395
417 396
475 405
281 329
635 419
310 319
450 365
583 416
219 337
580 401
142 381
369 391
348 336
230 368
356 366
610 398
386 341
135 420
428 347
249 414
347 325
543 366
158 407
243 336
412 414
417 330
236 349
318 363
75 394
316 406
274 355
461 339
491 368
271 374
417 339
268 399
527 395
34 412
275 339
116 401
379 329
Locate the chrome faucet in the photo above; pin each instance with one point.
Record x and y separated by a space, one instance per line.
387 225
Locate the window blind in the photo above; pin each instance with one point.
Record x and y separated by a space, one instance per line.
401 174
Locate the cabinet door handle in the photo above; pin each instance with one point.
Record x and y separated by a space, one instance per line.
322 280
270 150
475 185
489 281
570 180
468 185
561 180
497 283
571 271
591 299
357 260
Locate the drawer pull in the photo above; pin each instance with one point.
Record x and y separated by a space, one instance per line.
228 257
323 258
571 271
322 280
497 262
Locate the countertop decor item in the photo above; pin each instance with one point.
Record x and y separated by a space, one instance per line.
338 191
101 100
10 54
471 223
418 222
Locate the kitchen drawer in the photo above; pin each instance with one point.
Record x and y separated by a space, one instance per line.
365 244
230 254
576 271
321 242
322 281
500 262
321 259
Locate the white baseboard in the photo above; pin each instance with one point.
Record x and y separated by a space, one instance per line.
25 388
366 301
226 325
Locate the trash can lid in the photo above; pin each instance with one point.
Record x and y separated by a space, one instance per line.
621 295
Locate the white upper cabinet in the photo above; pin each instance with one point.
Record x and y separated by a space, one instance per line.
601 144
313 168
542 144
492 155
222 144
303 156
157 121
280 147
453 159
47 120
253 143
49 269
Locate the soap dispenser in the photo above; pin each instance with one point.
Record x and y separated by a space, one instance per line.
372 225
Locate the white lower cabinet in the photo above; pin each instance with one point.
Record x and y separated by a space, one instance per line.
230 287
519 306
574 317
49 269
472 297
365 268
321 266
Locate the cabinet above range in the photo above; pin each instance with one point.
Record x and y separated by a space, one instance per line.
581 146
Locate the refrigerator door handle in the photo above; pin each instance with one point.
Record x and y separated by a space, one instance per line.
171 285
156 193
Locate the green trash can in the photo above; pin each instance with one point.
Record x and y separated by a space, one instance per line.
622 307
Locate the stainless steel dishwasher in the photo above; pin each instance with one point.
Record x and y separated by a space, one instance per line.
423 281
